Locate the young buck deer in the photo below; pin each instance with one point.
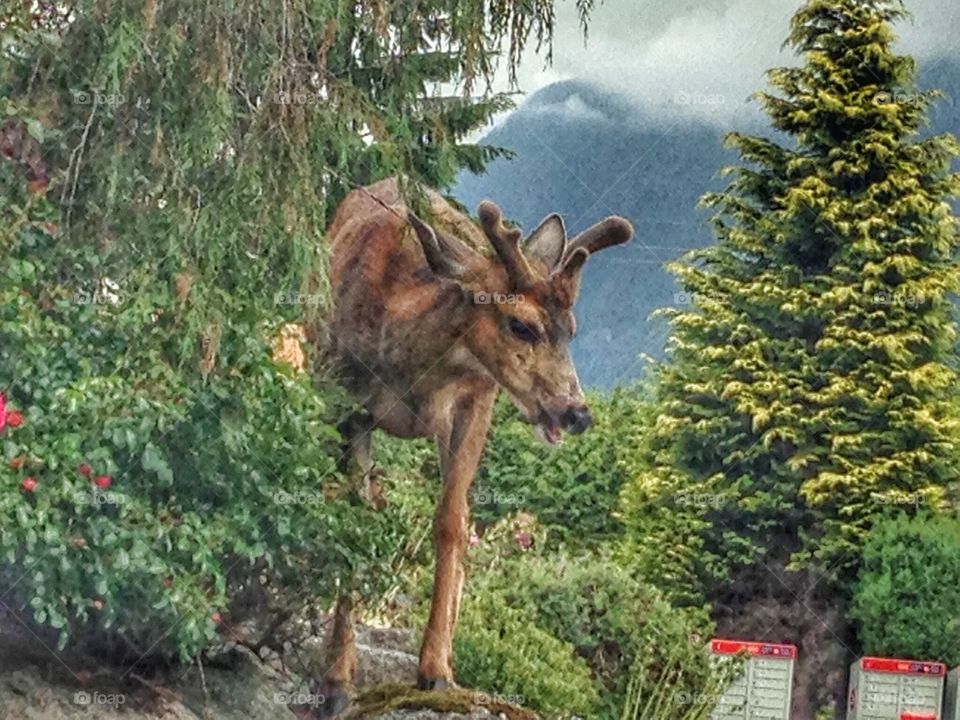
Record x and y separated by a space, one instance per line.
427 328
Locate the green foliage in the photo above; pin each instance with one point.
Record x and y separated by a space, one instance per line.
572 490
208 479
167 170
671 693
500 649
621 627
812 388
664 518
906 600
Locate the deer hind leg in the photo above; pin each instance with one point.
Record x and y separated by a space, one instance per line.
460 452
356 459
337 663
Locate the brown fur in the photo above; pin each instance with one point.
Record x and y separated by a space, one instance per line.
426 355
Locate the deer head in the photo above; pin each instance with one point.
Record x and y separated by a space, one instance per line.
520 319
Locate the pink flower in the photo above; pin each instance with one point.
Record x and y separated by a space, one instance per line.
474 540
523 539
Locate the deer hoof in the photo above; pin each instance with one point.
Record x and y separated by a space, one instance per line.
425 683
332 703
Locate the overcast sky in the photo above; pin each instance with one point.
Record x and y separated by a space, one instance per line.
703 58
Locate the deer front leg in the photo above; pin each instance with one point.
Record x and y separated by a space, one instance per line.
460 449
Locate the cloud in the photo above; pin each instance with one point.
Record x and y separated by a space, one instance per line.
702 59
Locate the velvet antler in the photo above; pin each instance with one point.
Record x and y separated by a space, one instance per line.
506 241
613 230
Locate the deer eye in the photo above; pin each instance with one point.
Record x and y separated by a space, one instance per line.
523 331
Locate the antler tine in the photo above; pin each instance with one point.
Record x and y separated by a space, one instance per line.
506 242
614 230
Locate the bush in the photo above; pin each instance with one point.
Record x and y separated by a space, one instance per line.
907 598
573 490
215 485
622 628
499 649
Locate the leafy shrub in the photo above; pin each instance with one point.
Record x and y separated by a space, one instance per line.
573 490
621 627
908 593
500 649
214 485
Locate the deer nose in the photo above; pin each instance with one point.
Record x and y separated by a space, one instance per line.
576 419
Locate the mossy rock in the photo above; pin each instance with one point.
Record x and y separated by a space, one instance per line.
396 696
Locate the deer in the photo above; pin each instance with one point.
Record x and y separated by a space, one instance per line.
428 326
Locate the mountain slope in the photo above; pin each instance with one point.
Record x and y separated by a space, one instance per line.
587 153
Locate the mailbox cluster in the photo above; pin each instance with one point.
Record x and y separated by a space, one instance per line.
762 692
880 688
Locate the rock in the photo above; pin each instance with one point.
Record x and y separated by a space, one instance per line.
479 714
377 665
384 655
234 685
25 695
399 639
238 687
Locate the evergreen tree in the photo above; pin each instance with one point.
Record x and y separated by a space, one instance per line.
811 387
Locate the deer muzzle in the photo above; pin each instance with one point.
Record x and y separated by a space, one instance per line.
576 419
573 419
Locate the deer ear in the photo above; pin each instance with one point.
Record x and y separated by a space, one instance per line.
548 242
446 256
